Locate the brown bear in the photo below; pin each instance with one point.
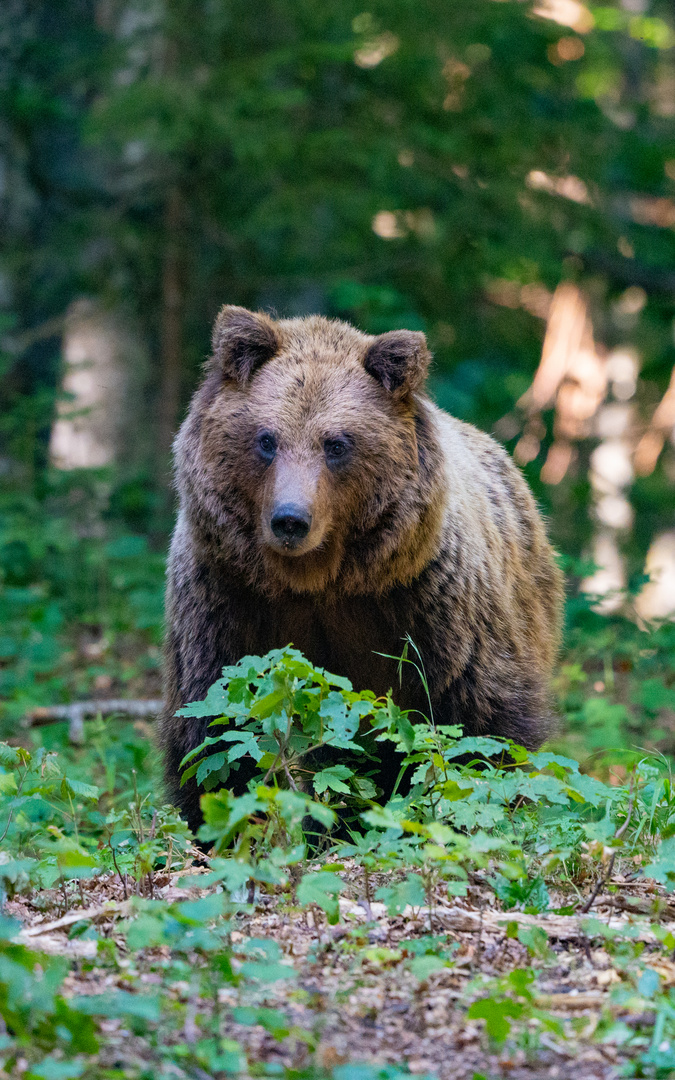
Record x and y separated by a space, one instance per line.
327 502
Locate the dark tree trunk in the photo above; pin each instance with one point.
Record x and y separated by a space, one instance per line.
171 331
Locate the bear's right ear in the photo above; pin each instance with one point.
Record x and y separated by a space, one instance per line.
242 341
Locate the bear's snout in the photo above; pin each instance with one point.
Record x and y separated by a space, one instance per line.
290 524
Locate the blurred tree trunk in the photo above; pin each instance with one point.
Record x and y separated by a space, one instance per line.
101 420
171 330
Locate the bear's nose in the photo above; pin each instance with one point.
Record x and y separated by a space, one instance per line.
290 523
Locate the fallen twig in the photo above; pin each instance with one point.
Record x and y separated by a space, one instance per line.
467 921
108 910
76 712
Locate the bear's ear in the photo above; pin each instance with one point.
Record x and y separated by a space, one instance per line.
242 340
399 360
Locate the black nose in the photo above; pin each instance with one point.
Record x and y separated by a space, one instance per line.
290 523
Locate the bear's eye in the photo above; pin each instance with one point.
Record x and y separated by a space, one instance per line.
336 450
267 446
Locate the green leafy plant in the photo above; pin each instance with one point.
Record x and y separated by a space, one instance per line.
510 999
283 712
33 1008
53 832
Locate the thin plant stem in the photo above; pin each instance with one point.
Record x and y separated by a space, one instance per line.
600 884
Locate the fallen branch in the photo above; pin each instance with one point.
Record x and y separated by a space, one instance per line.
111 909
465 921
42 936
573 1002
76 712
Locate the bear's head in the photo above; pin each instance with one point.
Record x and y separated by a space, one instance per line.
308 454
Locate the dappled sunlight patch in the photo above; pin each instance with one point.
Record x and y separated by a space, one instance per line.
570 13
569 187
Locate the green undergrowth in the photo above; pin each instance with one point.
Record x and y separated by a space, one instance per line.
615 686
81 595
471 813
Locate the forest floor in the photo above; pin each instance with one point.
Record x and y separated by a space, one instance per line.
390 990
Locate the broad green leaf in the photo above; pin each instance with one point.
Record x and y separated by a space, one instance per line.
204 910
52 1069
333 777
409 892
77 788
662 868
592 790
272 1020
424 966
119 1003
535 939
544 759
478 746
497 1015
451 791
267 972
649 983
322 889
269 705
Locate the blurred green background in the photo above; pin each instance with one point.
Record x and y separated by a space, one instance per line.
499 174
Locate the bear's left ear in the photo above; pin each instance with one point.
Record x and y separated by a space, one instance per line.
242 341
399 360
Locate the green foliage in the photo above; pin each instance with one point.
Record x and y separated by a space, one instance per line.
53 828
283 713
510 999
32 1007
80 598
409 892
615 686
428 954
524 815
467 810
321 889
373 1072
530 894
282 141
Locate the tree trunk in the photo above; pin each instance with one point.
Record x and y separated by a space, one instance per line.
102 421
171 331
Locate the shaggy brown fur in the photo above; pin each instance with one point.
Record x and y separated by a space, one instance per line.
325 500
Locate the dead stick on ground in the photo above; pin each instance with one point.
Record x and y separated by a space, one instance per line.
479 944
76 712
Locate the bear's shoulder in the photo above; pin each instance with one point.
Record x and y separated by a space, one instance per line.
486 491
466 448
